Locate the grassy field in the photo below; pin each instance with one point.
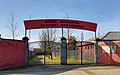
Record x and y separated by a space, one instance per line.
39 59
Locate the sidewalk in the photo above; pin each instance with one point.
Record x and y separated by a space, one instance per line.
64 70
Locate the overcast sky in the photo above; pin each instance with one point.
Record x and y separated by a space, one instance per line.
106 13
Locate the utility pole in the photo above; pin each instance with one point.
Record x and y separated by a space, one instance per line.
68 28
68 51
82 36
98 33
29 30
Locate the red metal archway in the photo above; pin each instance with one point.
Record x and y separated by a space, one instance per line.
60 23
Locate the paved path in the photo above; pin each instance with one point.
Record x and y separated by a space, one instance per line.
64 70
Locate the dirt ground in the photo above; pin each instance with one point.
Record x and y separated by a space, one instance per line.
63 70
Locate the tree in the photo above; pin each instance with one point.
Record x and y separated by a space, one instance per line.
72 43
12 26
49 36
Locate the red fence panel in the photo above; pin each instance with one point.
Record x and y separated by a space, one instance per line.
12 53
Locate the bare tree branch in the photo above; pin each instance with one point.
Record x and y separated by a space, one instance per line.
12 26
48 35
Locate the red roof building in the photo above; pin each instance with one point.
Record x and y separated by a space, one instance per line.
108 49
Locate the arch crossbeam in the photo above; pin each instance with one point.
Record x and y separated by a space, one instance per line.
60 23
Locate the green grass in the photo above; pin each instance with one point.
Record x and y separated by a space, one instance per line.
56 60
40 60
72 60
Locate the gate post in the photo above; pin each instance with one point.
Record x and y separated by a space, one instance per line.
27 49
97 51
63 51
